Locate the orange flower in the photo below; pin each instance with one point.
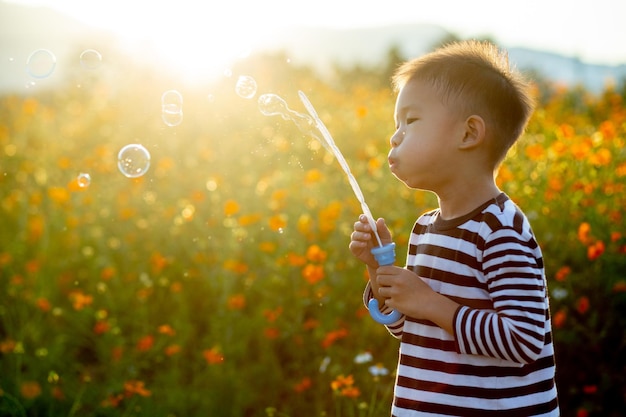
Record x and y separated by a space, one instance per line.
30 389
534 152
172 350
267 247
135 387
584 229
158 262
344 385
312 176
271 333
80 300
236 302
601 158
5 258
231 207
278 222
295 260
305 224
350 392
249 219
562 273
166 329
342 381
107 273
213 356
619 286
176 287
311 324
615 236
36 227
303 385
559 319
580 150
7 346
116 353
607 129
328 216
43 304
273 315
315 254
361 112
595 250
332 337
59 195
235 266
313 273
101 326
277 199
145 343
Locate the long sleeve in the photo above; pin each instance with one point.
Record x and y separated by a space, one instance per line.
516 330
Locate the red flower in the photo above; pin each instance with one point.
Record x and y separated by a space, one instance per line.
213 356
595 250
303 385
145 343
583 305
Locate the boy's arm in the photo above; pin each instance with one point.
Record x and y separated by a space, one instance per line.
516 328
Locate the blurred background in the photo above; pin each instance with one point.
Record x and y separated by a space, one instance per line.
167 249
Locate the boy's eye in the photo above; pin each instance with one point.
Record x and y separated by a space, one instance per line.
411 120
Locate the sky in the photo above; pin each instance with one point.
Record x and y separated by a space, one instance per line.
594 31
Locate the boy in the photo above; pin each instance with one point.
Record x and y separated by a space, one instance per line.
475 328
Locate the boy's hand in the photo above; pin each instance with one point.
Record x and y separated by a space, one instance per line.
362 240
402 290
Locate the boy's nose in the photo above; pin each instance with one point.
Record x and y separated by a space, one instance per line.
396 138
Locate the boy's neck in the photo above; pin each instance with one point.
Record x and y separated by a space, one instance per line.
465 197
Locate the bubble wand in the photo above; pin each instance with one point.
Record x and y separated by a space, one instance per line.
271 104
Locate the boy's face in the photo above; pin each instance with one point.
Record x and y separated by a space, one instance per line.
425 143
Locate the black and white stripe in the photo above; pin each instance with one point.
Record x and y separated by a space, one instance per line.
500 360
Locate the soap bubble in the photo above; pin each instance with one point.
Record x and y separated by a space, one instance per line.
172 118
273 105
83 180
172 108
245 86
133 160
41 63
90 59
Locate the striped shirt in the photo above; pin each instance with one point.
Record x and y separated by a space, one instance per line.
500 359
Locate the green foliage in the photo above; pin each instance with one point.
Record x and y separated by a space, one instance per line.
220 282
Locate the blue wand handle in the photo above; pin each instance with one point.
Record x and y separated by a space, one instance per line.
385 255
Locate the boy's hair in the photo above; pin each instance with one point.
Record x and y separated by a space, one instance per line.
475 77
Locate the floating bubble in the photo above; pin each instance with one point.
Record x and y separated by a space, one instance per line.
133 160
83 180
246 86
274 105
90 59
172 108
41 63
172 119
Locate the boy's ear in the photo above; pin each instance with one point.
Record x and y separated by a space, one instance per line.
474 132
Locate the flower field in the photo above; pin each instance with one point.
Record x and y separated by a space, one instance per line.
220 283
